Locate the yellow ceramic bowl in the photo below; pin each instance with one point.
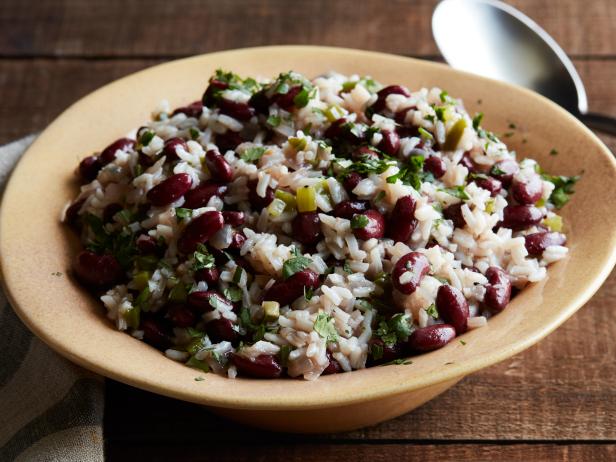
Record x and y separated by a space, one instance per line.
34 245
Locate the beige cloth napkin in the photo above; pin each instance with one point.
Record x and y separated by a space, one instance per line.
50 409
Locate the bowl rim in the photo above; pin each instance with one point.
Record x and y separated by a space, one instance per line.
452 372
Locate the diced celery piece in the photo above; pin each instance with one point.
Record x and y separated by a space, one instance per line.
287 197
147 262
178 293
140 280
276 207
271 311
299 144
555 223
132 317
306 199
454 135
333 113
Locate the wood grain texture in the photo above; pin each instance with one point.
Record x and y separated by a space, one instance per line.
372 452
116 28
35 91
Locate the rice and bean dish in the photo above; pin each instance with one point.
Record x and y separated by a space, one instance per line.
295 227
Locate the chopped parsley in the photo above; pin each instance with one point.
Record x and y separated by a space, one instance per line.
563 188
194 133
273 121
198 364
253 154
425 134
325 328
347 267
368 165
462 342
203 259
182 213
477 120
295 264
432 311
233 293
146 137
199 379
444 96
553 152
457 191
399 362
397 328
308 293
359 221
412 173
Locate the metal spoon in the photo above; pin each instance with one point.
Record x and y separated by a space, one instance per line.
490 38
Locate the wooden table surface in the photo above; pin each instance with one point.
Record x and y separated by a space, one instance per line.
555 401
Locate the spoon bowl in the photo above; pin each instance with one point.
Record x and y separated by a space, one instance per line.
493 39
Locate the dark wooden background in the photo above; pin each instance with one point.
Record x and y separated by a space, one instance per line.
556 401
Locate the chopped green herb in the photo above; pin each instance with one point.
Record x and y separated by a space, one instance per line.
301 99
285 350
347 268
142 298
199 379
197 364
380 196
233 293
57 274
402 325
554 152
477 120
325 328
376 351
495 170
457 191
509 134
430 118
273 121
399 362
425 134
512 126
138 170
462 342
182 213
203 259
432 311
308 293
146 137
440 113
444 96
253 154
294 265
237 275
194 133
563 188
359 221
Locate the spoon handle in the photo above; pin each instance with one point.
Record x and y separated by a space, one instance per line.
600 122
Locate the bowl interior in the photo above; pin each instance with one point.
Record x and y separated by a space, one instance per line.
34 245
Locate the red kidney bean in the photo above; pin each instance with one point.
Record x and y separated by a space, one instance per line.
192 110
71 217
536 243
307 227
89 168
233 218
228 140
389 352
402 220
155 332
239 111
527 192
221 330
170 190
209 275
346 209
454 213
171 145
452 307
333 367
286 100
417 265
218 166
498 290
490 184
97 271
109 211
382 95
145 161
431 337
237 240
260 102
375 227
504 171
261 367
108 154
200 300
335 130
212 92
468 163
181 315
199 231
286 292
258 202
351 181
201 195
517 217
364 151
390 142
435 165
146 244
